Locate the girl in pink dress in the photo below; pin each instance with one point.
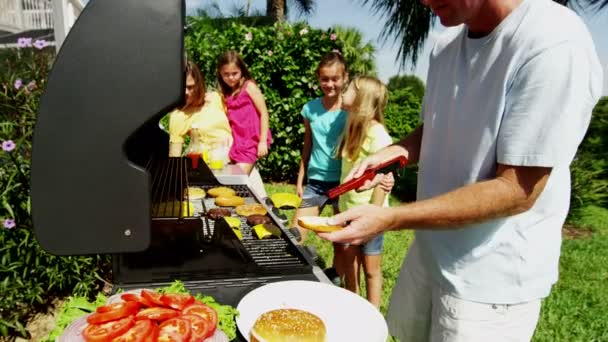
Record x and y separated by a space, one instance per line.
247 114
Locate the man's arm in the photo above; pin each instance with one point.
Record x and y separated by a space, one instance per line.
513 191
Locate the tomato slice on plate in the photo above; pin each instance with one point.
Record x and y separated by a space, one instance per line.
116 306
113 312
132 297
153 336
156 314
153 297
107 331
175 330
177 301
200 327
204 311
138 332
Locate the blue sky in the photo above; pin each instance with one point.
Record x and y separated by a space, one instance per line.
352 13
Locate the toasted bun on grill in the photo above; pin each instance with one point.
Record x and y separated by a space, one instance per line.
253 220
221 191
317 224
217 213
195 193
251 209
230 201
287 325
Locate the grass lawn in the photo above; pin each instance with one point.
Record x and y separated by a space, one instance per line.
576 310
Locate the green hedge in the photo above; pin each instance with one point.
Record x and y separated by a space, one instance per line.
29 277
282 60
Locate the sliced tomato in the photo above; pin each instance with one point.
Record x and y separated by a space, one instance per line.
177 301
116 306
113 312
132 297
138 332
157 314
153 336
200 327
204 311
175 330
107 331
153 297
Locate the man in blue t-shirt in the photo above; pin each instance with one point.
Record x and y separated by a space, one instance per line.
508 100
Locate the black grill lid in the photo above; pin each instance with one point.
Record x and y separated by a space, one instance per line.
119 70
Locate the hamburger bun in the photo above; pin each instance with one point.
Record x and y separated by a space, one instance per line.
288 325
251 209
221 191
231 201
195 193
317 224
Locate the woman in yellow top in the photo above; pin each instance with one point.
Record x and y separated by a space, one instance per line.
203 116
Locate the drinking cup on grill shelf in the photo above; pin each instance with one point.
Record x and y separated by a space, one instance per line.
217 156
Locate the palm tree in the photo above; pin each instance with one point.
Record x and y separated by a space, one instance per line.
277 9
359 55
410 22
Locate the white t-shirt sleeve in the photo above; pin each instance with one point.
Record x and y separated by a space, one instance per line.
548 108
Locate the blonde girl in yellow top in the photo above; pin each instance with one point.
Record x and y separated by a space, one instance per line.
203 116
365 100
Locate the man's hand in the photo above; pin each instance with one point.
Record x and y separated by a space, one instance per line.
366 222
359 168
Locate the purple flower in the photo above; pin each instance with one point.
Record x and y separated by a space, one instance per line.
31 86
24 42
9 223
333 36
8 145
248 36
18 83
270 53
40 44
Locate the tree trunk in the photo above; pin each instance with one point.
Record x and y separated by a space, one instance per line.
276 9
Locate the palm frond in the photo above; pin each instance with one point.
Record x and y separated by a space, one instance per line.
408 23
306 7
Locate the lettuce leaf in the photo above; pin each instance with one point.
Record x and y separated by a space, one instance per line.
72 309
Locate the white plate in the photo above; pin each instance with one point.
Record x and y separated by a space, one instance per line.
347 316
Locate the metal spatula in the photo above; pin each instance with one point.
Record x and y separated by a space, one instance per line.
369 174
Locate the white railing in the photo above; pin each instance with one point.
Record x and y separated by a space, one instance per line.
23 15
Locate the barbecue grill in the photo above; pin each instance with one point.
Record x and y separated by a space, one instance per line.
102 181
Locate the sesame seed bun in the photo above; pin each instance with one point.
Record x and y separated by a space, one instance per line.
288 325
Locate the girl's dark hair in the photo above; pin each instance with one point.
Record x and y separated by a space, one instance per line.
197 99
228 58
332 58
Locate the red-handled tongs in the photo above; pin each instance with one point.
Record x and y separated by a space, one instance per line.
391 165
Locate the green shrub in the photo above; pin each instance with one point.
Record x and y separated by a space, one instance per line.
590 167
282 60
402 116
29 276
591 217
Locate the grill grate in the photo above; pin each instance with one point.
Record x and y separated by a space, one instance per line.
169 181
270 253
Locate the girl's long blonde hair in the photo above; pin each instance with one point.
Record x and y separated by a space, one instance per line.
369 104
